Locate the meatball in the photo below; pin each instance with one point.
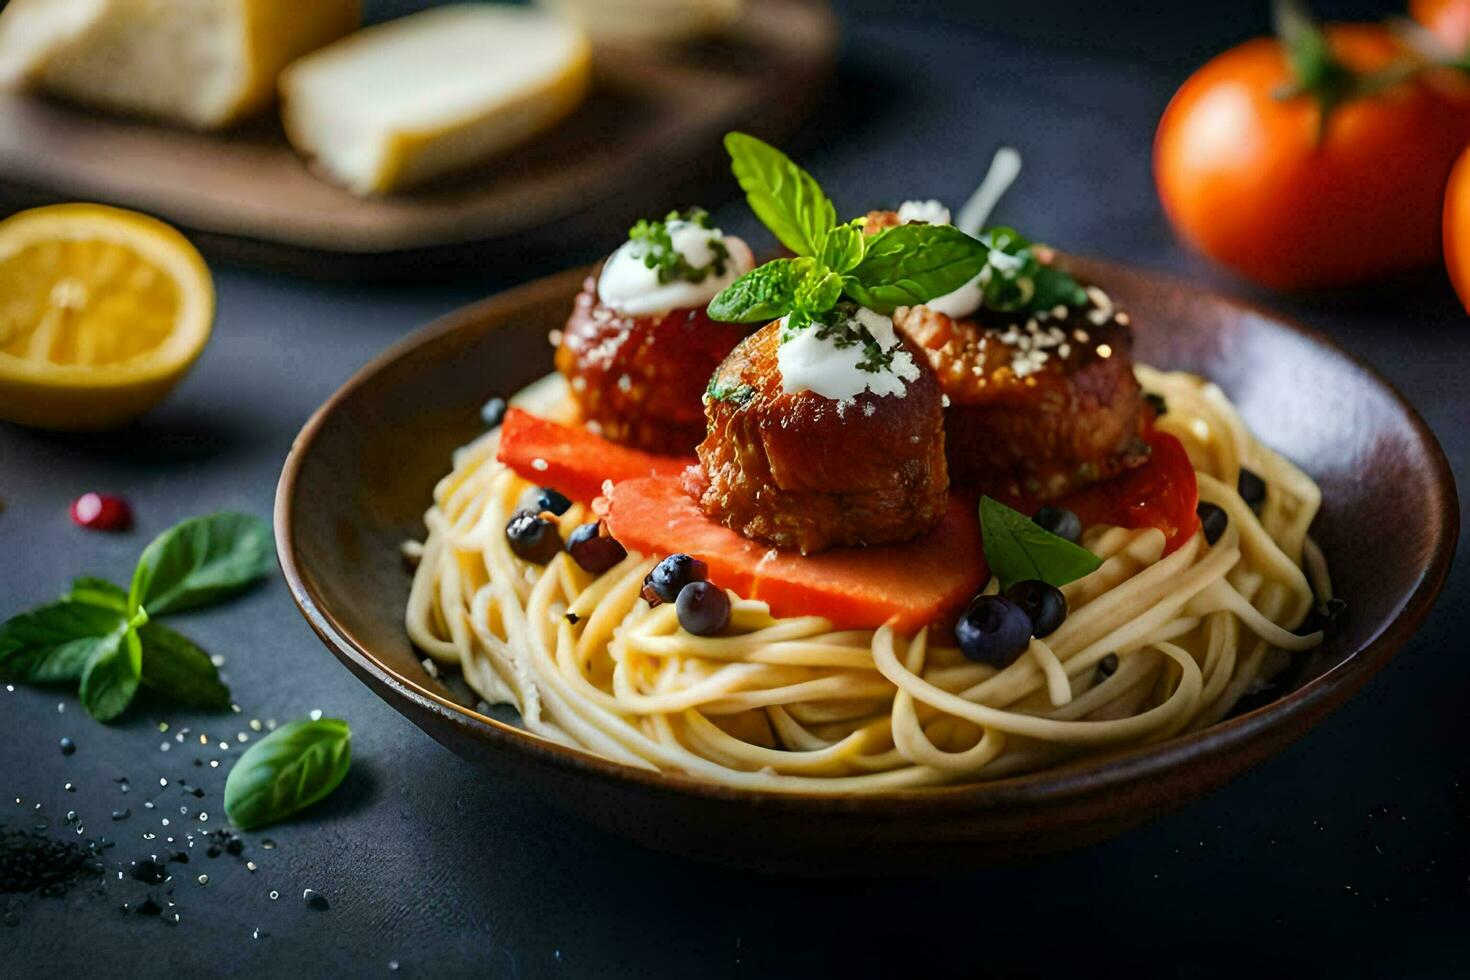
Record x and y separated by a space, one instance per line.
1037 405
800 470
638 380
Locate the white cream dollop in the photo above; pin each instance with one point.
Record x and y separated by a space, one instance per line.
968 298
628 286
810 363
930 212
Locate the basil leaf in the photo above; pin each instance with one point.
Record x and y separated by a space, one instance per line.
56 642
97 592
289 769
178 670
1018 549
1055 288
201 561
786 198
111 677
761 295
818 291
911 264
844 247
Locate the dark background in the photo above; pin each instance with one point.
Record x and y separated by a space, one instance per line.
1345 856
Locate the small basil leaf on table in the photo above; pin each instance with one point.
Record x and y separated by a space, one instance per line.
111 678
97 592
1017 549
201 561
912 264
289 769
56 642
786 198
179 671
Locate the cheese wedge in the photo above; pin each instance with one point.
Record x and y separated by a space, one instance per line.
203 63
433 93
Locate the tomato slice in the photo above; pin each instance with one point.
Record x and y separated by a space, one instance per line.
573 460
1161 493
914 584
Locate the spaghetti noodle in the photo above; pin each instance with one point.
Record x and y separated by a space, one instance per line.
792 704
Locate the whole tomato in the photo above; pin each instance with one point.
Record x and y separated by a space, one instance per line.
1457 228
1449 20
1255 182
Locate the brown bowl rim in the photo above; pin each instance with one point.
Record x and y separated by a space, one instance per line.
1049 786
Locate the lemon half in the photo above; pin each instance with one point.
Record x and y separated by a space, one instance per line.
102 312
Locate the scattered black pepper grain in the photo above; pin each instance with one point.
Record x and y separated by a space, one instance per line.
235 845
68 747
315 900
573 618
150 907
213 851
180 857
43 865
1107 666
122 814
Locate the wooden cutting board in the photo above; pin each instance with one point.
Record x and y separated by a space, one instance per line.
646 140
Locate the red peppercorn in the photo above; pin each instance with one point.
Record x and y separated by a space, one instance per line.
101 512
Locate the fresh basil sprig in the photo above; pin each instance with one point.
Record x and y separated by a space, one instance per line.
288 770
100 636
900 266
1017 549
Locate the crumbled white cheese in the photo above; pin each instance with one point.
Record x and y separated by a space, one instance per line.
811 363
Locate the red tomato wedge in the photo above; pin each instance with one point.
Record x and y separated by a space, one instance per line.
1161 493
572 460
913 584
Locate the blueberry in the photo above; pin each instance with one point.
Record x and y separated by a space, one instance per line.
1044 604
1059 521
1252 489
538 499
593 550
703 609
1212 520
492 412
669 577
994 630
533 537
1156 402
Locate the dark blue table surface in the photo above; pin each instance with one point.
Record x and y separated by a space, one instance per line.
1346 855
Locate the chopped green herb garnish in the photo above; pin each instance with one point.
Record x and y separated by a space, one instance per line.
735 394
653 245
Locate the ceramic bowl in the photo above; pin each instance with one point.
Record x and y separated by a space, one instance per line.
360 476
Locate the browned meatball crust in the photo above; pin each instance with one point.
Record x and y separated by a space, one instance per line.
805 472
1037 405
638 380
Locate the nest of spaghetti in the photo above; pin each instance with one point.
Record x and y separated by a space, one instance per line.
1161 638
